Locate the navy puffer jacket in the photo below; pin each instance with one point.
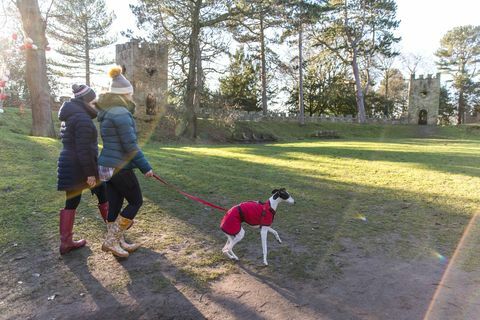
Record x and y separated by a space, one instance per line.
78 158
118 131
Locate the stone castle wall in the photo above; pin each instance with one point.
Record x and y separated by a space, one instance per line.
239 115
424 94
146 66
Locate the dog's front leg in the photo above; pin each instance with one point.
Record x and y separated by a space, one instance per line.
264 233
275 233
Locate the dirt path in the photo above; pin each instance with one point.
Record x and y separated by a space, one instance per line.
89 284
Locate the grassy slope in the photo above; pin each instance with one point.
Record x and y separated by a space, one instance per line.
376 187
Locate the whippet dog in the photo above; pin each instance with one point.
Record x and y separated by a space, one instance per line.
256 214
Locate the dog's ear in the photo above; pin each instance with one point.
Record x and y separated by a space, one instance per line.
283 194
275 194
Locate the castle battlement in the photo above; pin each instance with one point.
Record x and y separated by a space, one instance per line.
423 99
429 76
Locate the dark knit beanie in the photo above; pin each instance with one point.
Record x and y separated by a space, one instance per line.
83 92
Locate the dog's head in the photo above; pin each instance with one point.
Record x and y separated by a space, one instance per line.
283 195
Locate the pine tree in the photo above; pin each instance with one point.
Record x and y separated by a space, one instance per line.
459 56
81 27
250 28
300 16
188 26
239 87
356 31
327 89
393 89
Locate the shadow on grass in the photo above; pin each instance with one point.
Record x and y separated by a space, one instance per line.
326 210
317 303
102 297
152 286
457 163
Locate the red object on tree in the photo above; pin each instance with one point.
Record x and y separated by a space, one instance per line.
3 96
14 36
28 46
2 83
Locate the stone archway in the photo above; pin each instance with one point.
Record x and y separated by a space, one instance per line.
423 117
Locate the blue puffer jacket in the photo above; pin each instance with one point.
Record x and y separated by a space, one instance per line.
78 158
118 131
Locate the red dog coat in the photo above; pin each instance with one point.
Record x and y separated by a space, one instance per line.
252 212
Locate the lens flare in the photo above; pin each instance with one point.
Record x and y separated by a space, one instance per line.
439 256
360 216
438 300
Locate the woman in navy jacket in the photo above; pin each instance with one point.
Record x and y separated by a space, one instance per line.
120 155
77 164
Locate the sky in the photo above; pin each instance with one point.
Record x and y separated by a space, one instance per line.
423 23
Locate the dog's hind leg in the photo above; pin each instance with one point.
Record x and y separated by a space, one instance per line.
239 236
226 249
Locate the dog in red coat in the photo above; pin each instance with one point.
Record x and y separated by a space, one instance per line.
256 214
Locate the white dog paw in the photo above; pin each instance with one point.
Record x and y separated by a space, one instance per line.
279 240
265 263
227 254
230 254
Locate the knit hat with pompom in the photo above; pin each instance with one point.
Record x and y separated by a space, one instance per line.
120 84
84 92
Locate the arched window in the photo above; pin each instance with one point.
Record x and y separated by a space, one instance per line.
422 117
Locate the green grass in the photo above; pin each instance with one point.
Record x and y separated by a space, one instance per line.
377 188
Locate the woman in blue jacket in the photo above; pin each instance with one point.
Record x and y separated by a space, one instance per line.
77 164
119 157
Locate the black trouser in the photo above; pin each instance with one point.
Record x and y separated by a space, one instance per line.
73 197
123 185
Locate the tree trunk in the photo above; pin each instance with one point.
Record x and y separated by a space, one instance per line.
387 79
263 65
87 56
191 118
197 98
359 91
300 75
461 107
36 69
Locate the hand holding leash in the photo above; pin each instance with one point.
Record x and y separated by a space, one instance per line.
91 181
149 174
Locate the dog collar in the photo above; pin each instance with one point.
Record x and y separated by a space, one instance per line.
270 208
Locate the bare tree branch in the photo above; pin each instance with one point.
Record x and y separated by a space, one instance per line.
48 12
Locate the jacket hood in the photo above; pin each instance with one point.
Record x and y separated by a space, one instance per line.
109 100
75 106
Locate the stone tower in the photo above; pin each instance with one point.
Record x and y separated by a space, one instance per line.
423 99
146 66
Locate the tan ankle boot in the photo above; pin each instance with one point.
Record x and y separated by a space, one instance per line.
125 224
130 247
112 242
